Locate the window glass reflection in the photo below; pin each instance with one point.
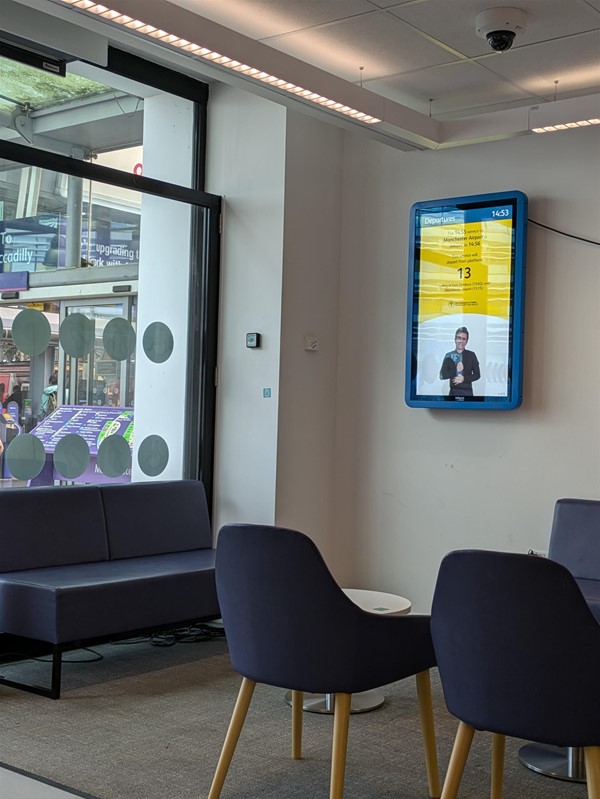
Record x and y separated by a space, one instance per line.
37 107
71 456
31 332
119 339
153 455
114 456
77 335
51 221
25 457
67 409
158 342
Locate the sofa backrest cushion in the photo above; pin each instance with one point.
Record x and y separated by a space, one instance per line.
51 526
575 538
155 517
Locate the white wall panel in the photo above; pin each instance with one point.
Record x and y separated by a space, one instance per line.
164 281
413 483
246 142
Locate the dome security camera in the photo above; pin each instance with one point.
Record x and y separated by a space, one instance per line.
500 40
500 26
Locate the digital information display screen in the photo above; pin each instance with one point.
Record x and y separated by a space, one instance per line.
466 302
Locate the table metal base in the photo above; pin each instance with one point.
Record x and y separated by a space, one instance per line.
562 763
324 703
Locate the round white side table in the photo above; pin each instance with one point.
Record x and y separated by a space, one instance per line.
373 602
379 602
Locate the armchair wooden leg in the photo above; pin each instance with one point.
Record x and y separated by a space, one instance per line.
498 747
592 769
233 733
458 759
297 710
341 720
428 730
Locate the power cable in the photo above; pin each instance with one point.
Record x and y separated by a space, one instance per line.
562 233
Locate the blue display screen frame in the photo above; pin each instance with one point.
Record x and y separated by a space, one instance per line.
452 241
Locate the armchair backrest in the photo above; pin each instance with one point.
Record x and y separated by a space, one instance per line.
517 647
287 621
575 537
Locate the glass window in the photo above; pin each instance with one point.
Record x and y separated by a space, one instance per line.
53 221
89 114
67 383
114 327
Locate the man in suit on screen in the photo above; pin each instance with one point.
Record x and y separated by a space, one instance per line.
460 366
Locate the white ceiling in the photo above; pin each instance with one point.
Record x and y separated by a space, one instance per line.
425 54
417 65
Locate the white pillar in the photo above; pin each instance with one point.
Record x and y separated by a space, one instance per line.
164 280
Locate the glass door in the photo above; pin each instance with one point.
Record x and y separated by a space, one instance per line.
97 362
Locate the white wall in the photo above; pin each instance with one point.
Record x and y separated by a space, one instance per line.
246 142
280 174
316 242
308 380
413 484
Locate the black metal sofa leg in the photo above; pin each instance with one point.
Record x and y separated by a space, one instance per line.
56 671
51 693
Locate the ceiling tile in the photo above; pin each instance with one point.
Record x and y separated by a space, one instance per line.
454 22
391 3
456 87
381 43
414 50
260 19
574 62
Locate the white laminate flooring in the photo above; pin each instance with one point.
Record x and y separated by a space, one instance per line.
18 785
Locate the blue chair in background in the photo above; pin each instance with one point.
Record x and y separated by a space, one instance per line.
290 625
574 542
518 652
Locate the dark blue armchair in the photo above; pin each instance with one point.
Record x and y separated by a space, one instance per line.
518 652
289 624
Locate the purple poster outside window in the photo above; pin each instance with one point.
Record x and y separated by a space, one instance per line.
93 424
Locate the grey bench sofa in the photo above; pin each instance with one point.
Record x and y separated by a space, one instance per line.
82 563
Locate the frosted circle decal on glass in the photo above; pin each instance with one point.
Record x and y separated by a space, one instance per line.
25 457
77 334
158 342
31 331
71 456
118 339
114 456
153 455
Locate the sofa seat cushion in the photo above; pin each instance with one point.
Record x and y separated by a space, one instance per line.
63 604
591 591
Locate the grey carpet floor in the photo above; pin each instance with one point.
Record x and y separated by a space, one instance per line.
148 723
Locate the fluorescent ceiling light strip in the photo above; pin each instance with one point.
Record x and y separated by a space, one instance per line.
583 123
138 26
